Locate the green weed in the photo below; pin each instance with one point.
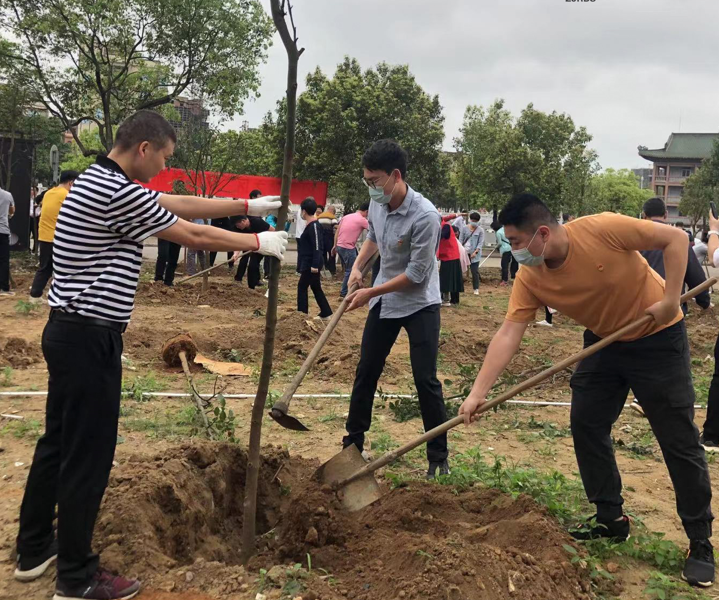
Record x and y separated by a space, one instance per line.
142 384
221 420
663 587
23 307
383 442
331 416
167 424
25 428
6 379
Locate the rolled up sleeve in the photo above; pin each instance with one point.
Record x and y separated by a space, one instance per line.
370 231
424 244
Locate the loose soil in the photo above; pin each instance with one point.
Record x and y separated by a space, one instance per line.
173 511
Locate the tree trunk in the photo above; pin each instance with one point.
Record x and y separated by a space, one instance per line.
253 461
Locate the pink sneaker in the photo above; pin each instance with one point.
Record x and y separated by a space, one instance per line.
103 586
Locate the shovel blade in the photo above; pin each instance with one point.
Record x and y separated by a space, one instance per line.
287 421
358 493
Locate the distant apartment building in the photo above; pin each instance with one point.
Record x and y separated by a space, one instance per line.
681 156
189 109
644 178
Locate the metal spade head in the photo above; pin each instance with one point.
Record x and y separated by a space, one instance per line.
287 421
358 493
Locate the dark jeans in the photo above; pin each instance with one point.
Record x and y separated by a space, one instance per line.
348 257
711 425
73 458
4 262
251 264
379 336
168 254
213 255
474 267
308 279
509 264
44 272
657 369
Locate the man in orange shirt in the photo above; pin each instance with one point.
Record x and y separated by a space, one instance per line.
591 270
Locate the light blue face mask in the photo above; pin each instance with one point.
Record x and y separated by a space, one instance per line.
524 257
378 195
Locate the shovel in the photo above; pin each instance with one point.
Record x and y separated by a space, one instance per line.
348 473
282 406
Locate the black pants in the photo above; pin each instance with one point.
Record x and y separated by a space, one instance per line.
657 369
73 458
213 255
451 297
711 425
168 254
379 336
34 233
251 264
44 272
474 267
267 266
4 262
308 279
509 264
330 261
547 315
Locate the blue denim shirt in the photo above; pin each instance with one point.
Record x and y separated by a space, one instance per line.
408 240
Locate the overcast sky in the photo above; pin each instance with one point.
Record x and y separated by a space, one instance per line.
630 71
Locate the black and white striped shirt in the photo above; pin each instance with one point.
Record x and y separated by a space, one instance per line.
97 251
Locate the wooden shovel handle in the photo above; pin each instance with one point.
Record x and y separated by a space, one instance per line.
284 403
519 388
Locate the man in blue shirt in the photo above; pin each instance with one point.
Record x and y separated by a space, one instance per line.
404 226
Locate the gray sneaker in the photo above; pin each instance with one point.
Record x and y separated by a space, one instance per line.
442 467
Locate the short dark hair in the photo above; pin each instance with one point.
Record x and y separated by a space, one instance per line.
496 226
364 207
309 205
385 155
144 126
654 207
527 212
255 194
320 206
475 216
66 176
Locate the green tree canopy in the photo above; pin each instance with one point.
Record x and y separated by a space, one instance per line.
101 61
615 191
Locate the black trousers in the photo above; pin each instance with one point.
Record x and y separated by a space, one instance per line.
4 262
509 264
213 255
267 266
44 272
474 268
168 254
330 261
379 336
547 315
657 369
308 279
711 425
73 458
251 264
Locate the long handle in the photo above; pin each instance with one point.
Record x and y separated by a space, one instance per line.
517 389
212 268
487 257
284 402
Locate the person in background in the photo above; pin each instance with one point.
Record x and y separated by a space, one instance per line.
328 222
250 262
319 211
451 282
52 202
591 270
7 210
35 210
508 262
348 231
168 255
700 245
310 253
464 261
272 222
473 245
300 223
464 230
196 256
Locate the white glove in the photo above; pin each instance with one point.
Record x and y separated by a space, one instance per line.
272 243
263 206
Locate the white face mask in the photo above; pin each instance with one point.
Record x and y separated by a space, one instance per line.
524 257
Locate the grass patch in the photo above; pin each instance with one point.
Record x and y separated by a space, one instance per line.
30 429
165 424
25 308
6 376
142 384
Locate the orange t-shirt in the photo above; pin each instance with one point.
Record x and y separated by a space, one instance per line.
604 283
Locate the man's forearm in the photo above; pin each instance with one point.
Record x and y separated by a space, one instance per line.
393 285
499 354
192 207
214 239
366 252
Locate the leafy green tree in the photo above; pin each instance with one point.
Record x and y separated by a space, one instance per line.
615 191
699 190
248 152
339 117
100 61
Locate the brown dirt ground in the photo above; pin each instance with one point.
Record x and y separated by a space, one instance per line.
169 514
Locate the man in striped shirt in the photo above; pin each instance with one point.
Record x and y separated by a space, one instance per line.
97 258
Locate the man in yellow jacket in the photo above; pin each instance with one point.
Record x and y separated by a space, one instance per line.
51 203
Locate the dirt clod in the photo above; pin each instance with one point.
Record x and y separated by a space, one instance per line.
18 353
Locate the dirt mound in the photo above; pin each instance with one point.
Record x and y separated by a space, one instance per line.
18 353
175 519
220 294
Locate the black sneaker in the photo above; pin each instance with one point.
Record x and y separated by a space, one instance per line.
103 586
699 566
30 568
442 467
592 529
709 445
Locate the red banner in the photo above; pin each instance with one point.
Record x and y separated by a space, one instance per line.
229 185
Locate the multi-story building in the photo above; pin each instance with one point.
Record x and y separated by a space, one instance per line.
681 156
644 178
